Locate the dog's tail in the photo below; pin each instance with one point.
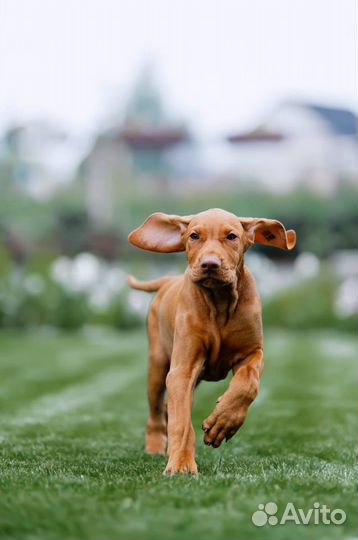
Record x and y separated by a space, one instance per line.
148 286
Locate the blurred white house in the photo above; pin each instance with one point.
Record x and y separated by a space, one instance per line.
40 156
298 143
148 151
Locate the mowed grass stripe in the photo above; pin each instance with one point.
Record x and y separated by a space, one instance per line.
75 397
68 363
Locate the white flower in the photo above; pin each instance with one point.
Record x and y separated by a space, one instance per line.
61 271
307 265
34 284
139 302
100 298
115 279
85 272
347 298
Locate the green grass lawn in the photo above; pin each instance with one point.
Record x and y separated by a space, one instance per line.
73 410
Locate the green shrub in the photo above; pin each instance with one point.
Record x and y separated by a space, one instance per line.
67 310
30 297
119 314
310 304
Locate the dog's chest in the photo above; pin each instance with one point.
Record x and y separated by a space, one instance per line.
224 351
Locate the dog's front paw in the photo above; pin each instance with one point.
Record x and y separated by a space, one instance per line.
223 423
181 464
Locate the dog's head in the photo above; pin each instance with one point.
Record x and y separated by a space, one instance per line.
215 241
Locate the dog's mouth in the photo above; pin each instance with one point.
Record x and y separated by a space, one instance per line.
210 278
212 283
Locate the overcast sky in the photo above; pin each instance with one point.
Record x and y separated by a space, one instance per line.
220 64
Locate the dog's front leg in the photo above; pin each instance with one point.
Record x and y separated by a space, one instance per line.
185 367
231 409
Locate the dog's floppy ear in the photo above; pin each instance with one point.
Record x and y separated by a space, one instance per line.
268 232
161 232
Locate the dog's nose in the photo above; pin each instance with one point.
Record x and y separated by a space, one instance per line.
210 263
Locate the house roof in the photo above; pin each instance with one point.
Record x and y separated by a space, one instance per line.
341 121
258 135
153 138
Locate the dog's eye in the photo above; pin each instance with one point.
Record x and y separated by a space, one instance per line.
194 236
231 236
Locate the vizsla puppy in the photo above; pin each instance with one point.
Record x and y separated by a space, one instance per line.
203 324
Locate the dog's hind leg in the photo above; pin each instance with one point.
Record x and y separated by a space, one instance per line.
156 432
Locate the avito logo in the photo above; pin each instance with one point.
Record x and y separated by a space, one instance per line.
319 514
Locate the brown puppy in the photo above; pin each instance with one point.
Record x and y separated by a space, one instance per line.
203 324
